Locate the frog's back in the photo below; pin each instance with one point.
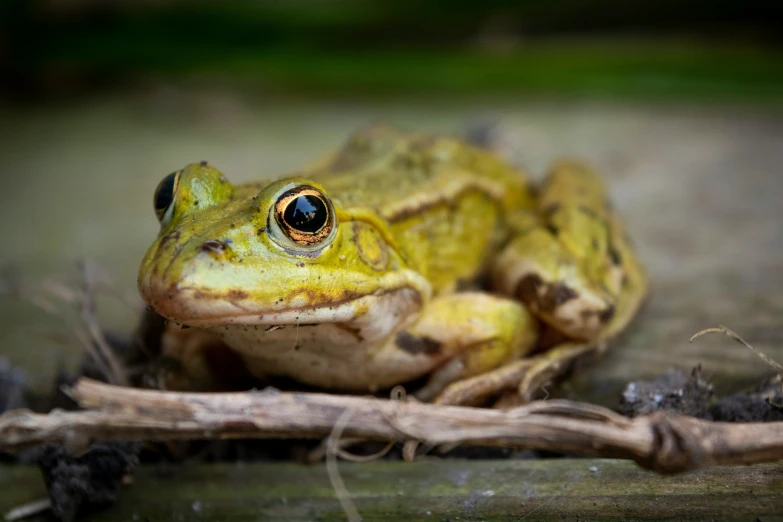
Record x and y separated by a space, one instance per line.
445 201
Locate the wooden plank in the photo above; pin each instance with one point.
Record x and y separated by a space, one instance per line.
433 490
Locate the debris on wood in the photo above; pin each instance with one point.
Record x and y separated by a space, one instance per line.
676 390
765 404
761 405
88 481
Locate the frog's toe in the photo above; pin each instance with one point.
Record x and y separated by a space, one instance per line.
524 376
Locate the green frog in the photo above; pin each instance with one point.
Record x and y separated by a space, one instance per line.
402 255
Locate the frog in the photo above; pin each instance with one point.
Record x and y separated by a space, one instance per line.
401 257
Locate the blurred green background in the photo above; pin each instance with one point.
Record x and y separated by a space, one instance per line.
677 103
669 48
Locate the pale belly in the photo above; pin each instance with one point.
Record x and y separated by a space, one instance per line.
356 355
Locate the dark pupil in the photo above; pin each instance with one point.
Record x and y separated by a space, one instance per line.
306 214
165 193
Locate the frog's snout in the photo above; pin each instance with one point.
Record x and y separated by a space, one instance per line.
179 289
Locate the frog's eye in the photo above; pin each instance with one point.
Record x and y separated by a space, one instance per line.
164 196
305 215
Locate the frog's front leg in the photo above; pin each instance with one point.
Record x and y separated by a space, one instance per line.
464 334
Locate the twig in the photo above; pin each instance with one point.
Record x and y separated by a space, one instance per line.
661 441
726 331
345 455
116 373
36 507
88 332
332 469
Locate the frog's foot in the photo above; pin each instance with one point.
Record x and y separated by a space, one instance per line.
553 364
525 375
463 335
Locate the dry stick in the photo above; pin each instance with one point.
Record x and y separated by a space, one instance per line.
68 296
397 393
332 469
661 441
88 333
726 331
30 509
764 357
116 373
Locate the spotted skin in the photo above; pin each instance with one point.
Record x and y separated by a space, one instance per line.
362 286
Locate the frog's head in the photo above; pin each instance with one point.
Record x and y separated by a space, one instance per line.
283 253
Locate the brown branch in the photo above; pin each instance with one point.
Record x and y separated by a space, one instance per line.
730 333
661 441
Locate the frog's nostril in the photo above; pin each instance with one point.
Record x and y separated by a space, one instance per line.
213 245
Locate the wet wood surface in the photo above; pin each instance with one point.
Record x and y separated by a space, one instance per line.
565 489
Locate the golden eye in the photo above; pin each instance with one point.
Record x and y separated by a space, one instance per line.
305 215
164 195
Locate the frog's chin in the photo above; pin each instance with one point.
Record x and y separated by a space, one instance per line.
397 303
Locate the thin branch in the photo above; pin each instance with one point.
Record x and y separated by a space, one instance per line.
730 333
30 509
116 373
661 441
45 294
332 469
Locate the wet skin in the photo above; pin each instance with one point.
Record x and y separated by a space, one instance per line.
354 274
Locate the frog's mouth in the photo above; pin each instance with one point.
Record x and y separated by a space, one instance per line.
201 309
